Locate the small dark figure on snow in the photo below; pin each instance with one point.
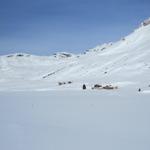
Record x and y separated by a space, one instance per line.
84 87
139 90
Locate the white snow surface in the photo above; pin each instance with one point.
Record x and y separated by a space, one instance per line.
74 120
126 61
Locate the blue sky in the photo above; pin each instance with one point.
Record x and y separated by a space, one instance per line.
43 27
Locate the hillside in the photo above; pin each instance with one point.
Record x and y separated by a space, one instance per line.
125 63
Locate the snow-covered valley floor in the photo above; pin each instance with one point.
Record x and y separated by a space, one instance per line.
75 120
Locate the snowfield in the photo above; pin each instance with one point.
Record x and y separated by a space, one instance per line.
43 106
74 120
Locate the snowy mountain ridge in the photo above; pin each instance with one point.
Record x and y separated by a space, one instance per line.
125 63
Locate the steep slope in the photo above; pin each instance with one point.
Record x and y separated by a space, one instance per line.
124 63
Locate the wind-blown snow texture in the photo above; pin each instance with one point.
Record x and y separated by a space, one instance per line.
124 63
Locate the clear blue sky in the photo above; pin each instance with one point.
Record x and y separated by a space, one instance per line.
46 26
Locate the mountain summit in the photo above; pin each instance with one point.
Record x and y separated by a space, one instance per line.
146 22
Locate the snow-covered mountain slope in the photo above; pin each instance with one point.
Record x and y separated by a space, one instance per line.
124 63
